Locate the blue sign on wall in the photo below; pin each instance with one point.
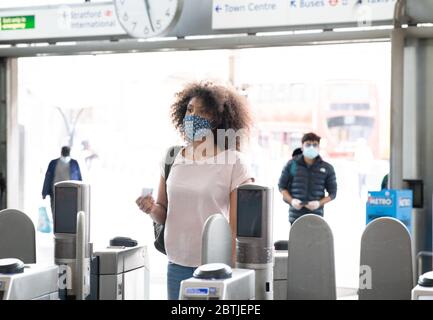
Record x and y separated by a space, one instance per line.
390 203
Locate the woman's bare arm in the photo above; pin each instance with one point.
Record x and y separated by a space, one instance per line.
157 210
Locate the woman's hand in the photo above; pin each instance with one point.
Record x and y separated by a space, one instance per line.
146 204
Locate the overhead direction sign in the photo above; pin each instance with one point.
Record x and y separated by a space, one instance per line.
76 21
240 14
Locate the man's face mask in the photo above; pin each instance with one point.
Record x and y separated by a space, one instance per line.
310 150
196 127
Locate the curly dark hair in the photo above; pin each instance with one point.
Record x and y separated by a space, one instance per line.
228 109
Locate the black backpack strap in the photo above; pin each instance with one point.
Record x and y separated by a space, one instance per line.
169 159
292 171
159 229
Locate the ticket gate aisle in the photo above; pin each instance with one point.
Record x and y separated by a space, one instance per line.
118 272
253 276
215 279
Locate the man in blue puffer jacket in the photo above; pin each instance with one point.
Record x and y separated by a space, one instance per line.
60 169
305 178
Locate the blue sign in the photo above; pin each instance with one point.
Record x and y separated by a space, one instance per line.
390 203
197 291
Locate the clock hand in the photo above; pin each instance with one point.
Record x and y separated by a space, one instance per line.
146 3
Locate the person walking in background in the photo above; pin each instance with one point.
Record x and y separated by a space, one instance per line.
305 179
89 154
385 182
60 169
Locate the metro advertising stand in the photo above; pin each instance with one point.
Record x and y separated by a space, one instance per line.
390 203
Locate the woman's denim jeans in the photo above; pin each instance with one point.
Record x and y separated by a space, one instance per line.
175 274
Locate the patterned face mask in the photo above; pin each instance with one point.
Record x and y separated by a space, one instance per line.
196 127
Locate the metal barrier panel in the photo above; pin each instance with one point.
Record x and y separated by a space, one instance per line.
311 267
386 261
216 241
17 236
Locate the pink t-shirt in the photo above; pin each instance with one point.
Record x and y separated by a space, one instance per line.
196 190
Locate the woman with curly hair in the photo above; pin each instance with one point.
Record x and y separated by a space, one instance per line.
213 120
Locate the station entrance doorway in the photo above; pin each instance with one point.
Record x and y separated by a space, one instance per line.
114 111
